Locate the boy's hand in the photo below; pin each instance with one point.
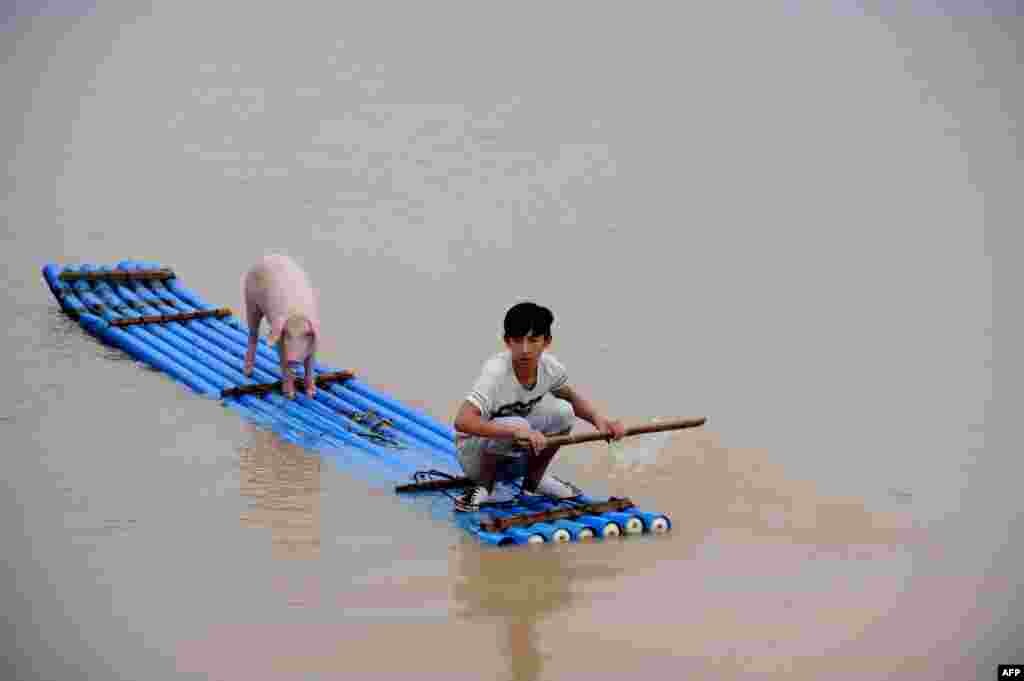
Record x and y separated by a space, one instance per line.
534 439
614 429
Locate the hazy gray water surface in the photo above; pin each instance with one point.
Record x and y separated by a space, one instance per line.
778 218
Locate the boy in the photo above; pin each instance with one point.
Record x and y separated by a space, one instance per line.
502 424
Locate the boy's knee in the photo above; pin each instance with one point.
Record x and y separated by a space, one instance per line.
565 415
514 421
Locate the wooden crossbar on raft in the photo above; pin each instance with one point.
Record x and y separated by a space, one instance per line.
568 513
300 384
176 317
160 274
435 485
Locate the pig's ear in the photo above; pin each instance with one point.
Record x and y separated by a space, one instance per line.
276 329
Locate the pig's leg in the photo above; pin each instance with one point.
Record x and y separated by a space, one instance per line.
253 316
287 377
310 378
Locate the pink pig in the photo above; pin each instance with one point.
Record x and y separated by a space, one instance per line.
278 289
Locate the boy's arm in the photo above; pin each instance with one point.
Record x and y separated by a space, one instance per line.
470 422
588 412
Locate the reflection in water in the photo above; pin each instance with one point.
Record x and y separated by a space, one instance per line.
284 481
518 588
761 576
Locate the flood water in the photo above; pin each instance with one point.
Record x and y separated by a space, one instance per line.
778 217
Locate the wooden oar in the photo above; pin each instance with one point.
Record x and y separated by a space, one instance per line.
655 427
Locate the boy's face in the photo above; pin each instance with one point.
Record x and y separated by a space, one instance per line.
526 350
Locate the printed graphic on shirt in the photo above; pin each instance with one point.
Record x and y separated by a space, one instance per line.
517 408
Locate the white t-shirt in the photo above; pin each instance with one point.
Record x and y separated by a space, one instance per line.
499 393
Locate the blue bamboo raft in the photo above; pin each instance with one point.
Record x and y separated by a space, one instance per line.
143 309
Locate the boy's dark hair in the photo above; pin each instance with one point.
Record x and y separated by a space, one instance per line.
523 319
